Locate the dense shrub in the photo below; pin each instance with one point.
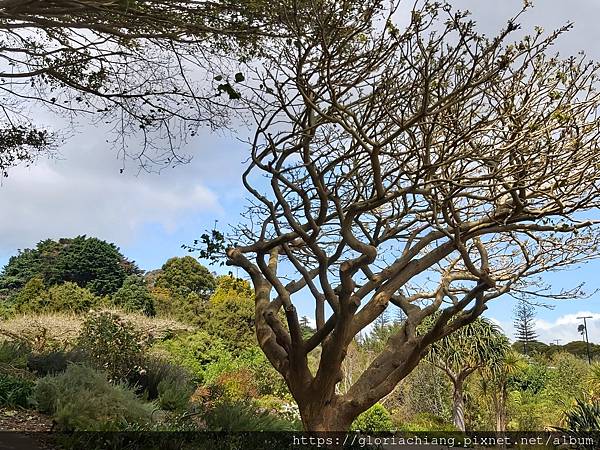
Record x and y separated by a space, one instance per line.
185 275
266 379
195 352
134 296
15 391
53 362
89 262
533 377
239 417
70 297
229 314
32 297
374 419
110 343
425 422
82 398
236 385
248 374
67 297
14 354
153 370
173 395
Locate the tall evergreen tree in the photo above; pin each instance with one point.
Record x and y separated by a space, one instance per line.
525 324
89 262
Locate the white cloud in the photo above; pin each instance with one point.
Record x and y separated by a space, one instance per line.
85 193
563 328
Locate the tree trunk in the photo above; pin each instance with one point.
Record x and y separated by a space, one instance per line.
319 418
501 410
458 407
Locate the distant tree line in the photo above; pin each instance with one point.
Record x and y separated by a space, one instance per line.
81 273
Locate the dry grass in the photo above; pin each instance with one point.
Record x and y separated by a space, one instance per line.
43 332
48 331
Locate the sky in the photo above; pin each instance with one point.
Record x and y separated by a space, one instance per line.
149 216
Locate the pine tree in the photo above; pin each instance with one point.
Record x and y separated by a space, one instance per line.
382 321
525 324
399 316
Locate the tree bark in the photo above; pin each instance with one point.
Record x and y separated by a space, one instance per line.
501 410
320 418
458 407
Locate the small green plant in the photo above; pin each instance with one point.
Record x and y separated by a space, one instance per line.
15 391
82 398
14 354
375 419
110 343
582 420
173 395
427 422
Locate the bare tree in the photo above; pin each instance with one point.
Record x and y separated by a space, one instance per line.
144 68
425 166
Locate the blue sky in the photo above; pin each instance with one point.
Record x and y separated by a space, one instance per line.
150 216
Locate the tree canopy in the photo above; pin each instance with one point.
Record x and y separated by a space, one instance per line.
397 154
474 346
89 262
134 296
184 276
142 68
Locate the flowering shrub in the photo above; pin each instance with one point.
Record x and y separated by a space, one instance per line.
237 385
111 343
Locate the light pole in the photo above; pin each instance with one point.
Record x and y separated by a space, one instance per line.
583 329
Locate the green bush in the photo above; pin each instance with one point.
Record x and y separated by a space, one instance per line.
374 419
32 297
173 395
53 362
110 343
134 296
195 352
15 391
14 354
582 420
70 297
426 422
82 398
152 371
208 359
240 417
267 380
